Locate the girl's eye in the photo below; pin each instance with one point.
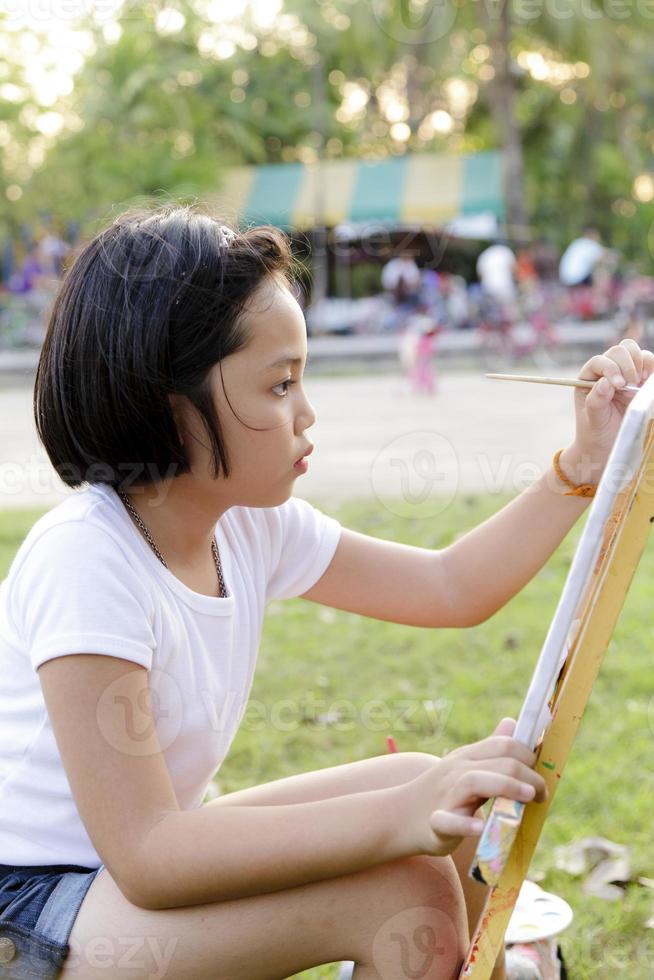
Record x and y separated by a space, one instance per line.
285 385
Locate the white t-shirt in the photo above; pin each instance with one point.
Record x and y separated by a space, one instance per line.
495 269
85 580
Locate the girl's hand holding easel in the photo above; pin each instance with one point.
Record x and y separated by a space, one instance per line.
438 807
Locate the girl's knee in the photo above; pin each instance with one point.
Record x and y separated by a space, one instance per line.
424 879
437 875
423 928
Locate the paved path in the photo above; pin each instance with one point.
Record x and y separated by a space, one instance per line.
372 437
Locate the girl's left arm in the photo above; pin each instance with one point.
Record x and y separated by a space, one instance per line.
466 583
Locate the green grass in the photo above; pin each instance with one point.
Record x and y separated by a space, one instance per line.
440 689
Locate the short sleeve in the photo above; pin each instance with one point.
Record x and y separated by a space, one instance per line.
303 541
76 592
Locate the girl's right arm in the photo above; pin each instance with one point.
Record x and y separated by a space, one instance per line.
164 857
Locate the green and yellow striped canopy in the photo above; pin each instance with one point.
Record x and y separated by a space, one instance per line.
420 188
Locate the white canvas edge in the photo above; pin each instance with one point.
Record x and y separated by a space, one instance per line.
620 469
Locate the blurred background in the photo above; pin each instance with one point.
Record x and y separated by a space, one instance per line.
468 185
396 142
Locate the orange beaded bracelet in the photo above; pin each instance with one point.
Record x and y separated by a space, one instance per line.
583 490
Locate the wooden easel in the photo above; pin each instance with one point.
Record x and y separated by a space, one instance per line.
624 539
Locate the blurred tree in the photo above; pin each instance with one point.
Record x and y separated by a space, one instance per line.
19 121
496 19
173 93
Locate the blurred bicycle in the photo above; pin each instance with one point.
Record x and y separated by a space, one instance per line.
508 334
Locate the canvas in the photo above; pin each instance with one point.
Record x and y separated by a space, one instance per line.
608 552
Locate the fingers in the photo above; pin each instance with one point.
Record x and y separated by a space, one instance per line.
609 366
478 785
447 824
628 356
515 770
643 360
507 778
624 361
496 746
505 727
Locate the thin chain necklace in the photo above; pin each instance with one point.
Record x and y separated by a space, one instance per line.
216 557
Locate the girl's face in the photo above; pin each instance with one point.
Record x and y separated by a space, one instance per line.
261 404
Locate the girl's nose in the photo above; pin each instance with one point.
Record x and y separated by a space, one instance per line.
306 416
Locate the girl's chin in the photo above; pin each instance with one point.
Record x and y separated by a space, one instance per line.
272 499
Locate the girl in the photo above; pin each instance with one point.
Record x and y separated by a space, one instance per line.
170 382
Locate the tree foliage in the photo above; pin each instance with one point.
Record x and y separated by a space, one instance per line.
174 94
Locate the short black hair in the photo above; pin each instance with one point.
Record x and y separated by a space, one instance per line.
145 310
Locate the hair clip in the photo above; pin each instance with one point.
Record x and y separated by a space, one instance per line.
227 235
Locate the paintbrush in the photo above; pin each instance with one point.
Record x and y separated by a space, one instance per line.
569 382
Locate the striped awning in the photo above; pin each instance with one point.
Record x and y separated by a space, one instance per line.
419 188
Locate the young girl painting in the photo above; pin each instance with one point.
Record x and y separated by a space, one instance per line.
169 393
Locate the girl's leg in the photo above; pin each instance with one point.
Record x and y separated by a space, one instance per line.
401 920
376 772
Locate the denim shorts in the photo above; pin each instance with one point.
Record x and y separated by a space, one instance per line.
38 906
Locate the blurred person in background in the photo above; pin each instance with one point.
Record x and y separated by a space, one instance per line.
588 269
497 300
536 307
580 258
53 251
34 287
455 298
30 274
401 278
496 268
546 258
417 348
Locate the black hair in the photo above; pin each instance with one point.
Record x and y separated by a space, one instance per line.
145 310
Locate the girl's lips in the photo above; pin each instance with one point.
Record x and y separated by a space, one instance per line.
307 453
302 464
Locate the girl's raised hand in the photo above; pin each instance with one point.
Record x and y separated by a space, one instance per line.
438 807
599 410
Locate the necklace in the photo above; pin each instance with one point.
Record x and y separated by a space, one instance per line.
214 550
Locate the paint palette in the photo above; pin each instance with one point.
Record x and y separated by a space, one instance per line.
537 915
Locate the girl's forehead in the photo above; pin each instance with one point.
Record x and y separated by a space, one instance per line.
275 323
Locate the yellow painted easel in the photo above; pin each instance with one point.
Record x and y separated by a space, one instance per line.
622 543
